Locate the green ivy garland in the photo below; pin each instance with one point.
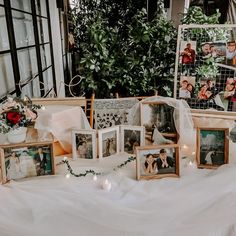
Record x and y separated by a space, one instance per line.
70 170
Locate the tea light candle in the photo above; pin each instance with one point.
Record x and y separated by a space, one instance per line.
106 185
95 178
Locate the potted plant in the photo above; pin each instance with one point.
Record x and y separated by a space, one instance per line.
16 115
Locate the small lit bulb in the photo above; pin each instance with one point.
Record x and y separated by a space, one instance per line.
106 185
43 108
185 146
95 178
68 175
193 153
190 163
65 158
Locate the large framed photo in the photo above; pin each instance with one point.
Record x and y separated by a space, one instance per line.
212 147
159 161
131 137
158 120
108 141
26 160
84 144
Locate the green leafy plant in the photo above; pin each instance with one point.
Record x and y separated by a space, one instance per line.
209 69
120 51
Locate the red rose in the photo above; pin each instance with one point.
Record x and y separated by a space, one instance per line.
13 117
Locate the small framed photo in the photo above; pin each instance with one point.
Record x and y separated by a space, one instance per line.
158 120
26 160
108 141
131 137
212 147
84 144
154 162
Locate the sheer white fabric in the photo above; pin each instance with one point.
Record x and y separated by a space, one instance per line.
182 117
201 202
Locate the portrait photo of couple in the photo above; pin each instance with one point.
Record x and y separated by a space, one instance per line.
28 161
157 162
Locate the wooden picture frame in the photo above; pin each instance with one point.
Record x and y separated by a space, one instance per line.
149 164
84 144
24 160
131 136
158 120
108 141
212 147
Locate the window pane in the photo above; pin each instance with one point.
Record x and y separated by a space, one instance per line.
27 63
23 29
36 88
43 30
1 1
48 79
45 55
27 90
23 5
4 42
6 74
41 8
32 89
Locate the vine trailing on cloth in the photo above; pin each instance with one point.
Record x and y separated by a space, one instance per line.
70 170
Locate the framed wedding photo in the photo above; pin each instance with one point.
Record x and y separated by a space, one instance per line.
157 161
108 141
131 137
84 144
212 147
158 120
20 161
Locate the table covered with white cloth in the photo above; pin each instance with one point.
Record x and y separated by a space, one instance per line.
200 202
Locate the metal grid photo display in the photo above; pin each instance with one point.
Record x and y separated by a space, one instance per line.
205 68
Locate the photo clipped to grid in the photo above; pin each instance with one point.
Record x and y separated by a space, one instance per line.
205 72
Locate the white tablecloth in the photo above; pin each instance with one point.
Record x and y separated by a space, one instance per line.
200 202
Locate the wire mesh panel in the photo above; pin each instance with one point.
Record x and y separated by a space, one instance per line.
205 68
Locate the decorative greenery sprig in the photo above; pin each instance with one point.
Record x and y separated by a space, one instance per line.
70 170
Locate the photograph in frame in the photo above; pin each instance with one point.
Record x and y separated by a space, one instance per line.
158 120
187 86
108 142
159 161
28 160
84 144
131 137
212 147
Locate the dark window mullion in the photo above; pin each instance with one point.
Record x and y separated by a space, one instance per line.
37 47
50 39
12 42
5 52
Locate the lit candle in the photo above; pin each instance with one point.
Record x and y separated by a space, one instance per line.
106 185
68 175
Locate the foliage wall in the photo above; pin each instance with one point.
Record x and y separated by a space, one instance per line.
120 51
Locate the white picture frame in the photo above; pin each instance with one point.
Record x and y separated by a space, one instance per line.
108 142
86 139
130 137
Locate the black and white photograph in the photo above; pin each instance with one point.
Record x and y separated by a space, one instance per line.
108 141
158 120
131 137
84 144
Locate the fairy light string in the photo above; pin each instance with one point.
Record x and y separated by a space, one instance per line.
71 171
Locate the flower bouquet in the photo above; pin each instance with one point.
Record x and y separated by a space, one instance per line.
16 113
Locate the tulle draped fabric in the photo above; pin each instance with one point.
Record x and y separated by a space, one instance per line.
201 202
